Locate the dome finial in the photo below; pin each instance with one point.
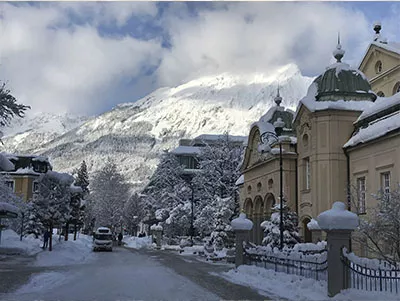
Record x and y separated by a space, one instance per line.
338 53
278 98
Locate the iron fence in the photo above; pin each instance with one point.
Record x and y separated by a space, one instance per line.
361 277
316 269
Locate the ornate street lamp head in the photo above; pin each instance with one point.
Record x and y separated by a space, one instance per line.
279 124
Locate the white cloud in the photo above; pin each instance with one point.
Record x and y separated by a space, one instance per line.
55 60
260 36
68 69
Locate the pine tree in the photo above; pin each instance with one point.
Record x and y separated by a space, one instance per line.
133 213
290 228
51 203
9 108
82 179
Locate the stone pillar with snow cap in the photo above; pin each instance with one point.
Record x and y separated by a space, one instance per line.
157 230
338 223
242 227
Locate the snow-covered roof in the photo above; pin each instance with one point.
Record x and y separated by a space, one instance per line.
62 177
340 66
310 102
186 150
390 46
41 159
240 180
8 207
381 103
375 129
210 137
5 163
76 189
25 171
338 218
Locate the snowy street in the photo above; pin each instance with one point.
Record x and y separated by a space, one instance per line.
125 275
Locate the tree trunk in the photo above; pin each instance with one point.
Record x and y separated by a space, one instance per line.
51 237
66 231
75 229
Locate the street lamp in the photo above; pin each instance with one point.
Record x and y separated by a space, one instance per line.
268 138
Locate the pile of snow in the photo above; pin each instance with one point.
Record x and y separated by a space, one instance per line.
302 252
338 218
313 225
67 252
370 263
194 250
292 287
134 242
29 245
43 281
156 228
5 163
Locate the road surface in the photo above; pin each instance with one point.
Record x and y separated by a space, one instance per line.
125 275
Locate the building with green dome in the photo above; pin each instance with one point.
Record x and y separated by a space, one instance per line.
341 144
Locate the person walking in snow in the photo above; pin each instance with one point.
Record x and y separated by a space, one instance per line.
120 239
46 237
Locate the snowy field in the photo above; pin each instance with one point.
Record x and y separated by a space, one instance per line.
277 285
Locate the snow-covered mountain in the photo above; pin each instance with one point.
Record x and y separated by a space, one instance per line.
36 129
134 134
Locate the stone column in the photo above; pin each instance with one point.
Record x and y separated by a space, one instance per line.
338 223
242 227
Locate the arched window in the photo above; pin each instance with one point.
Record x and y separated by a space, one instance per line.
305 140
249 189
378 67
396 88
259 186
270 183
380 94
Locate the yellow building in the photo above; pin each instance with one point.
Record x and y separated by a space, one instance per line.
344 138
22 178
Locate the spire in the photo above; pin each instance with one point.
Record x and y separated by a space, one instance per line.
278 98
338 53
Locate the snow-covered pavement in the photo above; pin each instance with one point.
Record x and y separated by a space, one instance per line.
118 275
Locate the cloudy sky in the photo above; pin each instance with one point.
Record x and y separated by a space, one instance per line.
84 58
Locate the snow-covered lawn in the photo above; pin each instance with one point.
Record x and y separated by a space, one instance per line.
42 282
292 287
11 240
67 252
134 242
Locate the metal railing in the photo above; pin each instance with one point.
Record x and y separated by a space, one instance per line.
315 269
361 277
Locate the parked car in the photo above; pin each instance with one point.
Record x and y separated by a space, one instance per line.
103 239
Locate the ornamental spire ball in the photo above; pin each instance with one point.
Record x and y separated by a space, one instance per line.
338 53
278 98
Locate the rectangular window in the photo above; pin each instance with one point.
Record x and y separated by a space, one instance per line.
10 184
385 183
361 194
307 173
35 186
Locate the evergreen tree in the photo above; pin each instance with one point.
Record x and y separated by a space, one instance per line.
290 228
82 178
51 203
110 191
9 108
133 213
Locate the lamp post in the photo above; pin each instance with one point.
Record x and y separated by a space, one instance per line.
268 138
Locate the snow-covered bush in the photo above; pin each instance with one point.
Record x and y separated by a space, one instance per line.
290 228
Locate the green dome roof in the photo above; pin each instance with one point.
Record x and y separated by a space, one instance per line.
340 82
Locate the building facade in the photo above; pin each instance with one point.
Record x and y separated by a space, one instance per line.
344 143
22 178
